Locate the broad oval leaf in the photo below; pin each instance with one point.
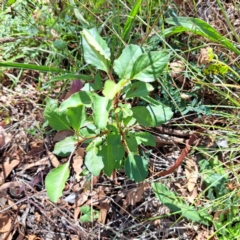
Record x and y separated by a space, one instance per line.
65 147
111 89
95 49
77 116
124 64
149 66
143 116
108 159
160 114
75 100
145 138
101 108
56 119
55 181
136 167
139 89
93 161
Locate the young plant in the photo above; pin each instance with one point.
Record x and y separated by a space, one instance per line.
103 116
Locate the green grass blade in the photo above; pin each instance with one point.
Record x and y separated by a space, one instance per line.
31 67
130 19
199 27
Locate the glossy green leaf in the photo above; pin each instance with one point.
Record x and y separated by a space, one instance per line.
111 89
175 204
124 64
139 89
55 181
95 49
56 119
199 27
132 142
108 159
149 66
113 138
76 116
136 167
118 151
78 98
31 67
143 116
101 108
94 161
65 147
160 114
145 138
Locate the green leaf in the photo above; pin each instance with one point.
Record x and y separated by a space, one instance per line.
70 76
124 64
132 142
136 167
145 138
95 49
55 181
101 108
118 151
89 214
56 119
77 116
126 110
113 138
149 66
111 89
130 20
174 203
75 100
65 147
31 67
160 114
143 116
199 27
108 159
139 89
94 161
60 44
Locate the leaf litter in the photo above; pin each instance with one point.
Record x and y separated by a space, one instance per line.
125 208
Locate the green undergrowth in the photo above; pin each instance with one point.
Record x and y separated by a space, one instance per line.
124 53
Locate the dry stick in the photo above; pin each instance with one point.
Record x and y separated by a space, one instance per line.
183 154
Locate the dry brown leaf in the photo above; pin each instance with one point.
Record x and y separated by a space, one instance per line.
104 208
193 195
36 147
53 159
176 70
5 222
78 162
33 237
8 166
135 195
191 174
83 197
5 138
76 213
62 135
204 56
10 185
6 236
43 161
